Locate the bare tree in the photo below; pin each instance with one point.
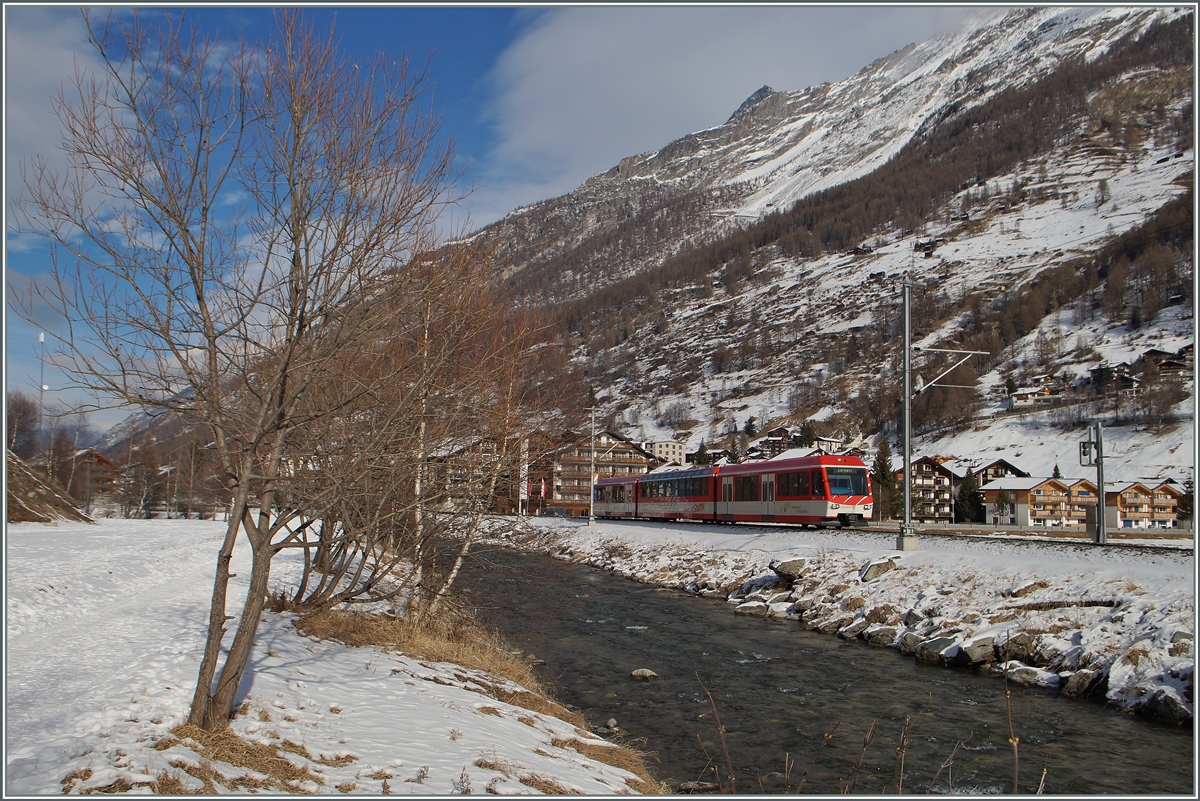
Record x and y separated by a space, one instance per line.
22 429
227 216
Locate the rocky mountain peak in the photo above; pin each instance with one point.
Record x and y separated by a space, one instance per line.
750 103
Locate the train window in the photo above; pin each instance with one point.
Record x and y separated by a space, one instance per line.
818 485
793 485
847 481
745 488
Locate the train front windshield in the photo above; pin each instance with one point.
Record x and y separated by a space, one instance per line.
847 481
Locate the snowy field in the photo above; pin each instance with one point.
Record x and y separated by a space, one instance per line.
1087 619
105 626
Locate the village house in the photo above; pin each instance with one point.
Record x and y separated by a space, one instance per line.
94 475
667 451
932 490
1026 501
569 486
1071 502
555 475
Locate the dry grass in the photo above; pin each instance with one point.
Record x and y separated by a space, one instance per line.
882 614
854 603
169 784
226 747
1021 592
624 757
1135 655
448 639
545 784
164 784
463 642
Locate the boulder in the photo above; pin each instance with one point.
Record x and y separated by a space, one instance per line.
912 618
781 610
879 635
1025 676
833 625
974 652
874 569
1084 684
752 608
931 650
909 642
1165 707
1020 647
697 788
642 674
852 630
804 604
789 570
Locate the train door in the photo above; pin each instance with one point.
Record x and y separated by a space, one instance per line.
768 497
725 506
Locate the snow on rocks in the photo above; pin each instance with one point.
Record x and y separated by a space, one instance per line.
1091 621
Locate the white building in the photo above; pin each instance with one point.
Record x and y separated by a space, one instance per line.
667 451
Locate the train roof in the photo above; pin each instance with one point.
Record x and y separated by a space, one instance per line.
678 471
783 465
623 479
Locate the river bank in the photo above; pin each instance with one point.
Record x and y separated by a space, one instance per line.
1117 623
105 630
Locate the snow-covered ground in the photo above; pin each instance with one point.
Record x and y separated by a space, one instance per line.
1088 619
105 624
104 629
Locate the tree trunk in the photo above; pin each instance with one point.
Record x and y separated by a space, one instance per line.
243 641
204 713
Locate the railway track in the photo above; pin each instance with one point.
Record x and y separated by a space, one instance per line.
1019 539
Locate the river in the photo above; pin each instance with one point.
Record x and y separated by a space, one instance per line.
778 689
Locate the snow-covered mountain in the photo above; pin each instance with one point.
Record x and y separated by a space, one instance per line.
1031 170
781 146
699 294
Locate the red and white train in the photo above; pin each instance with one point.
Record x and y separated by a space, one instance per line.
811 490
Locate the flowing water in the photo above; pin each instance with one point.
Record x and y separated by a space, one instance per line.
778 689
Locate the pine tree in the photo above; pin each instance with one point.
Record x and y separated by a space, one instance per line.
883 484
1184 510
808 435
1057 473
968 505
750 429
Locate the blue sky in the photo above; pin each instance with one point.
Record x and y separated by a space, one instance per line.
537 98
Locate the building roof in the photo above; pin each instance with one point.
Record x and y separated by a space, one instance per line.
1021 484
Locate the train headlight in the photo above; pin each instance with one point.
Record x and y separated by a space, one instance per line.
835 506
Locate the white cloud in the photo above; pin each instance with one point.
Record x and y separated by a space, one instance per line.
582 88
42 47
